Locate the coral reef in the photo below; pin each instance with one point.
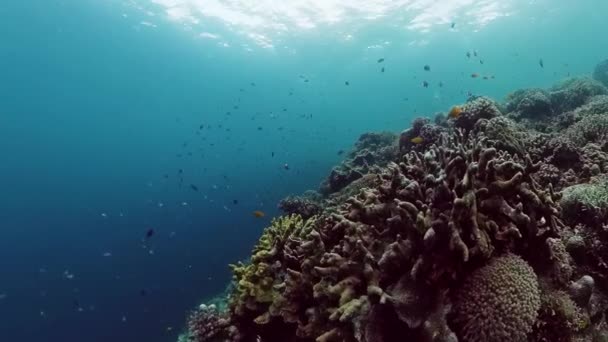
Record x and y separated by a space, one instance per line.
574 92
498 302
475 109
487 225
371 151
208 324
600 73
530 104
307 205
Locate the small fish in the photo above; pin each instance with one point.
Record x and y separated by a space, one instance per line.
541 63
259 128
425 84
382 70
455 112
475 53
474 75
259 214
340 152
453 25
427 67
485 77
286 166
346 83
143 292
272 154
481 61
235 201
468 54
149 233
380 60
440 84
193 187
417 140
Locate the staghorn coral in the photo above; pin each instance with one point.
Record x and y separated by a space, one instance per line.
498 302
600 73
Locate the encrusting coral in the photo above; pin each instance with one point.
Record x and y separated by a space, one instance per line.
474 228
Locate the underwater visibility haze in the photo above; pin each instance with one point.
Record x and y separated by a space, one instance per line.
147 144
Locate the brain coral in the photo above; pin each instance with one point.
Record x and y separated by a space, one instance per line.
498 302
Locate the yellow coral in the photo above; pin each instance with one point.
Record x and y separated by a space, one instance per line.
256 282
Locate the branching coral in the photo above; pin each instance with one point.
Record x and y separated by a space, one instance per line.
425 240
498 302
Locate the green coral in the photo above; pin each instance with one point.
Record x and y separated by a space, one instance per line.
560 319
586 201
498 302
593 194
255 283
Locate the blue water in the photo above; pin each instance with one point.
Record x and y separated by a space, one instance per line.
101 104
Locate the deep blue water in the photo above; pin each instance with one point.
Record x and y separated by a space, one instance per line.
101 105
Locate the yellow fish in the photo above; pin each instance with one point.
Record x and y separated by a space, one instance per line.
417 140
455 112
259 213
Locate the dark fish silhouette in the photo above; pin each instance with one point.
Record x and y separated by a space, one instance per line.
347 83
541 63
380 60
340 152
235 202
382 70
150 233
453 25
193 187
143 292
427 67
425 84
468 54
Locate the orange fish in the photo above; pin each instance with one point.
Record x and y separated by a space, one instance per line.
417 140
259 213
474 75
455 112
